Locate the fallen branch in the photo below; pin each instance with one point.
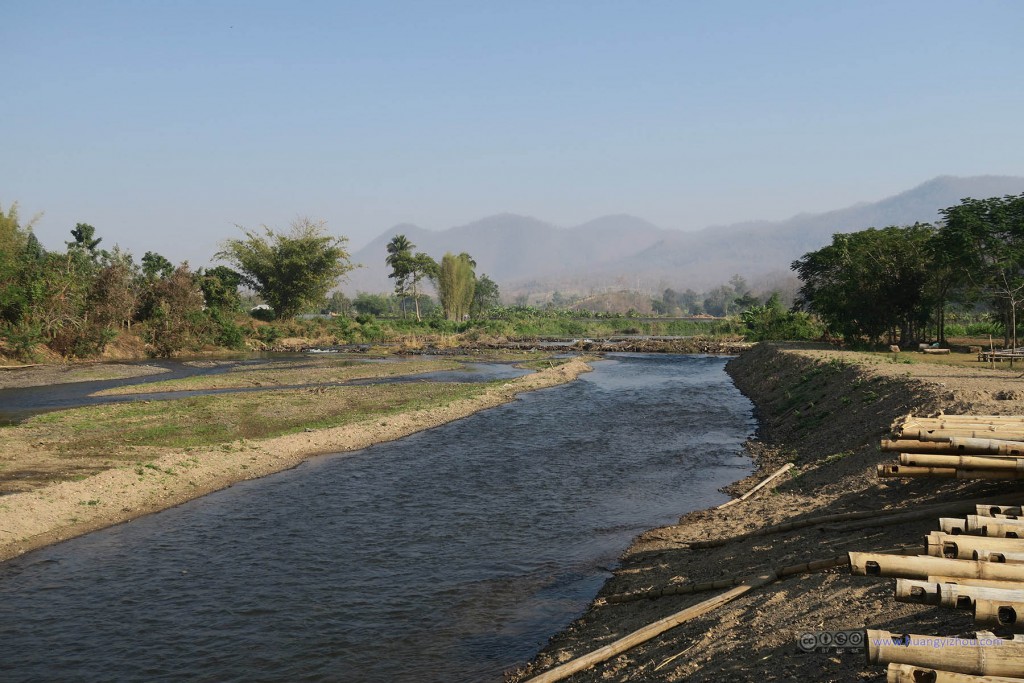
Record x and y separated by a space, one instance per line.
648 632
778 473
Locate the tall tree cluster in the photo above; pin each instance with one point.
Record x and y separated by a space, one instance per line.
896 282
462 294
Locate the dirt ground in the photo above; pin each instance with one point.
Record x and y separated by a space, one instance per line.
825 411
19 377
169 477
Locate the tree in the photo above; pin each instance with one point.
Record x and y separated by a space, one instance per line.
176 319
291 271
485 296
871 283
85 239
455 282
339 304
399 258
155 266
371 304
408 270
984 242
220 288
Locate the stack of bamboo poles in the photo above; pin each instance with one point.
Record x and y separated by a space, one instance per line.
971 565
957 447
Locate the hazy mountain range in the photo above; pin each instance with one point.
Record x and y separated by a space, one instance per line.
527 255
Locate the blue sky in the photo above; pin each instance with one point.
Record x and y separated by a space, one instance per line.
166 123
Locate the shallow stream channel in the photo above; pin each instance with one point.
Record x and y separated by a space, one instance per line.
450 555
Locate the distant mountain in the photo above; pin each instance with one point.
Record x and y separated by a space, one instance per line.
508 247
706 258
527 255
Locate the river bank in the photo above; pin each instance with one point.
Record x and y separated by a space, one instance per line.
165 477
824 411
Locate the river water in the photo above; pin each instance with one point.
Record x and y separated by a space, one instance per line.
450 555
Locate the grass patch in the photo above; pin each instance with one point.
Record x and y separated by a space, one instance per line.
220 419
316 371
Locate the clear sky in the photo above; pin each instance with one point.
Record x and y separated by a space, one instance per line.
166 122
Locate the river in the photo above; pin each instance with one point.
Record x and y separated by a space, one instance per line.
449 555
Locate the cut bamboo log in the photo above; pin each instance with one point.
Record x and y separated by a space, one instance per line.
957 655
990 419
647 632
963 547
910 472
980 526
994 446
998 556
993 510
1002 614
1008 433
993 528
952 595
775 475
908 673
920 567
969 462
961 581
914 446
953 526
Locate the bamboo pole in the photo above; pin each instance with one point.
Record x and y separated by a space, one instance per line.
956 655
648 632
969 462
1004 614
775 475
878 564
963 547
908 673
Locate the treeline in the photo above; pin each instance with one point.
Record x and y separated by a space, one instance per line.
77 300
900 283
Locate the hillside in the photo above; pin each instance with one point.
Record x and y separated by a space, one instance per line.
527 255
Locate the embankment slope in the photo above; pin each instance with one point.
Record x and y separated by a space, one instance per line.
825 411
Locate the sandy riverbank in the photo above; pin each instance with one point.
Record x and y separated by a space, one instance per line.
824 411
47 515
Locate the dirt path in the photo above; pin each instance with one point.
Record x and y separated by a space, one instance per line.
36 518
825 412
